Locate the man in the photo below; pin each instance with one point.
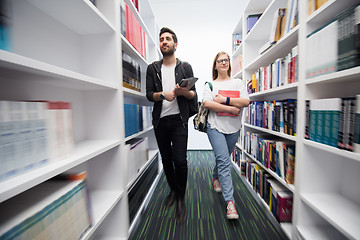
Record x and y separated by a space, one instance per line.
170 116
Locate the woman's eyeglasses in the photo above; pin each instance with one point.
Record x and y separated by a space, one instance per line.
219 61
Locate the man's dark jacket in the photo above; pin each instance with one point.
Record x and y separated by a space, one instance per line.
154 84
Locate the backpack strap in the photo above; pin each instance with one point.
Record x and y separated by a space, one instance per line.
210 85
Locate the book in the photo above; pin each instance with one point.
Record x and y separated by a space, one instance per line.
23 134
290 165
347 55
137 156
357 125
5 25
346 124
191 81
131 116
291 9
251 20
284 206
231 94
53 208
357 31
61 132
277 25
350 124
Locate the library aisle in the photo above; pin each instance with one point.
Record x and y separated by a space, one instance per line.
206 218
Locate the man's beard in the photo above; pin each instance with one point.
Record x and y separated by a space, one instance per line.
169 52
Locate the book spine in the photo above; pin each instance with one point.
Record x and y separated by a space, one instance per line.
346 40
5 25
307 119
357 125
351 125
340 143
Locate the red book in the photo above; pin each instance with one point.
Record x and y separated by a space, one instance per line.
284 206
231 94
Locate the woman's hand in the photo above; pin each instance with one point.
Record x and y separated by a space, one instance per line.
220 99
235 110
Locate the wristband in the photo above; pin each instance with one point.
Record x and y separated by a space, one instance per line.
227 101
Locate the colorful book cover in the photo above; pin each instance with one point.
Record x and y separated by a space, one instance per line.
284 206
231 94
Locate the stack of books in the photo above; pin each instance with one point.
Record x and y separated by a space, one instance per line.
279 115
138 156
137 118
334 46
58 208
33 133
131 73
334 122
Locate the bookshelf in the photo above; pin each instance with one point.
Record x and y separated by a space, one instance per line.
326 201
57 55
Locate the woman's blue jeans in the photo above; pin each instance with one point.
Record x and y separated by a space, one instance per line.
223 145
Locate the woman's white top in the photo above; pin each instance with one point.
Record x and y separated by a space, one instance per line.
225 124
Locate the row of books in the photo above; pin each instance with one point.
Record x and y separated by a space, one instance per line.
33 133
284 20
237 40
5 25
334 122
138 156
136 4
273 153
131 72
236 156
275 195
282 72
137 118
334 46
279 115
132 30
59 207
314 5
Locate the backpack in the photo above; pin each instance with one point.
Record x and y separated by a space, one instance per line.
193 103
200 119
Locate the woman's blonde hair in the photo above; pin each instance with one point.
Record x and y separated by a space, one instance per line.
214 71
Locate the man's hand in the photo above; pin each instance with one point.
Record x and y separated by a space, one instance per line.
181 91
169 95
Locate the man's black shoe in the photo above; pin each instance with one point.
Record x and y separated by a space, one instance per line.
170 199
180 209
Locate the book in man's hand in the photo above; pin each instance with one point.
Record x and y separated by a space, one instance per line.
231 94
191 82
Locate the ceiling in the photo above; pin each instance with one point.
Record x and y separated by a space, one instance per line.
198 15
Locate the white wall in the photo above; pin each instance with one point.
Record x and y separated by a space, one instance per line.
203 28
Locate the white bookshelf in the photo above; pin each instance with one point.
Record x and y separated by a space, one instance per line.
326 196
71 51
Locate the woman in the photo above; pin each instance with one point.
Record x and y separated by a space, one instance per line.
225 102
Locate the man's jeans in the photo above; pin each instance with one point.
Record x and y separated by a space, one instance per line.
171 136
223 145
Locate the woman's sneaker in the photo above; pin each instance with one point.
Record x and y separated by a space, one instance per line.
231 211
217 186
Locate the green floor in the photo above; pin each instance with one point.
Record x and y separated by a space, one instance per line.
206 215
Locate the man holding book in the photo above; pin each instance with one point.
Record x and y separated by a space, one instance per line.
172 109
